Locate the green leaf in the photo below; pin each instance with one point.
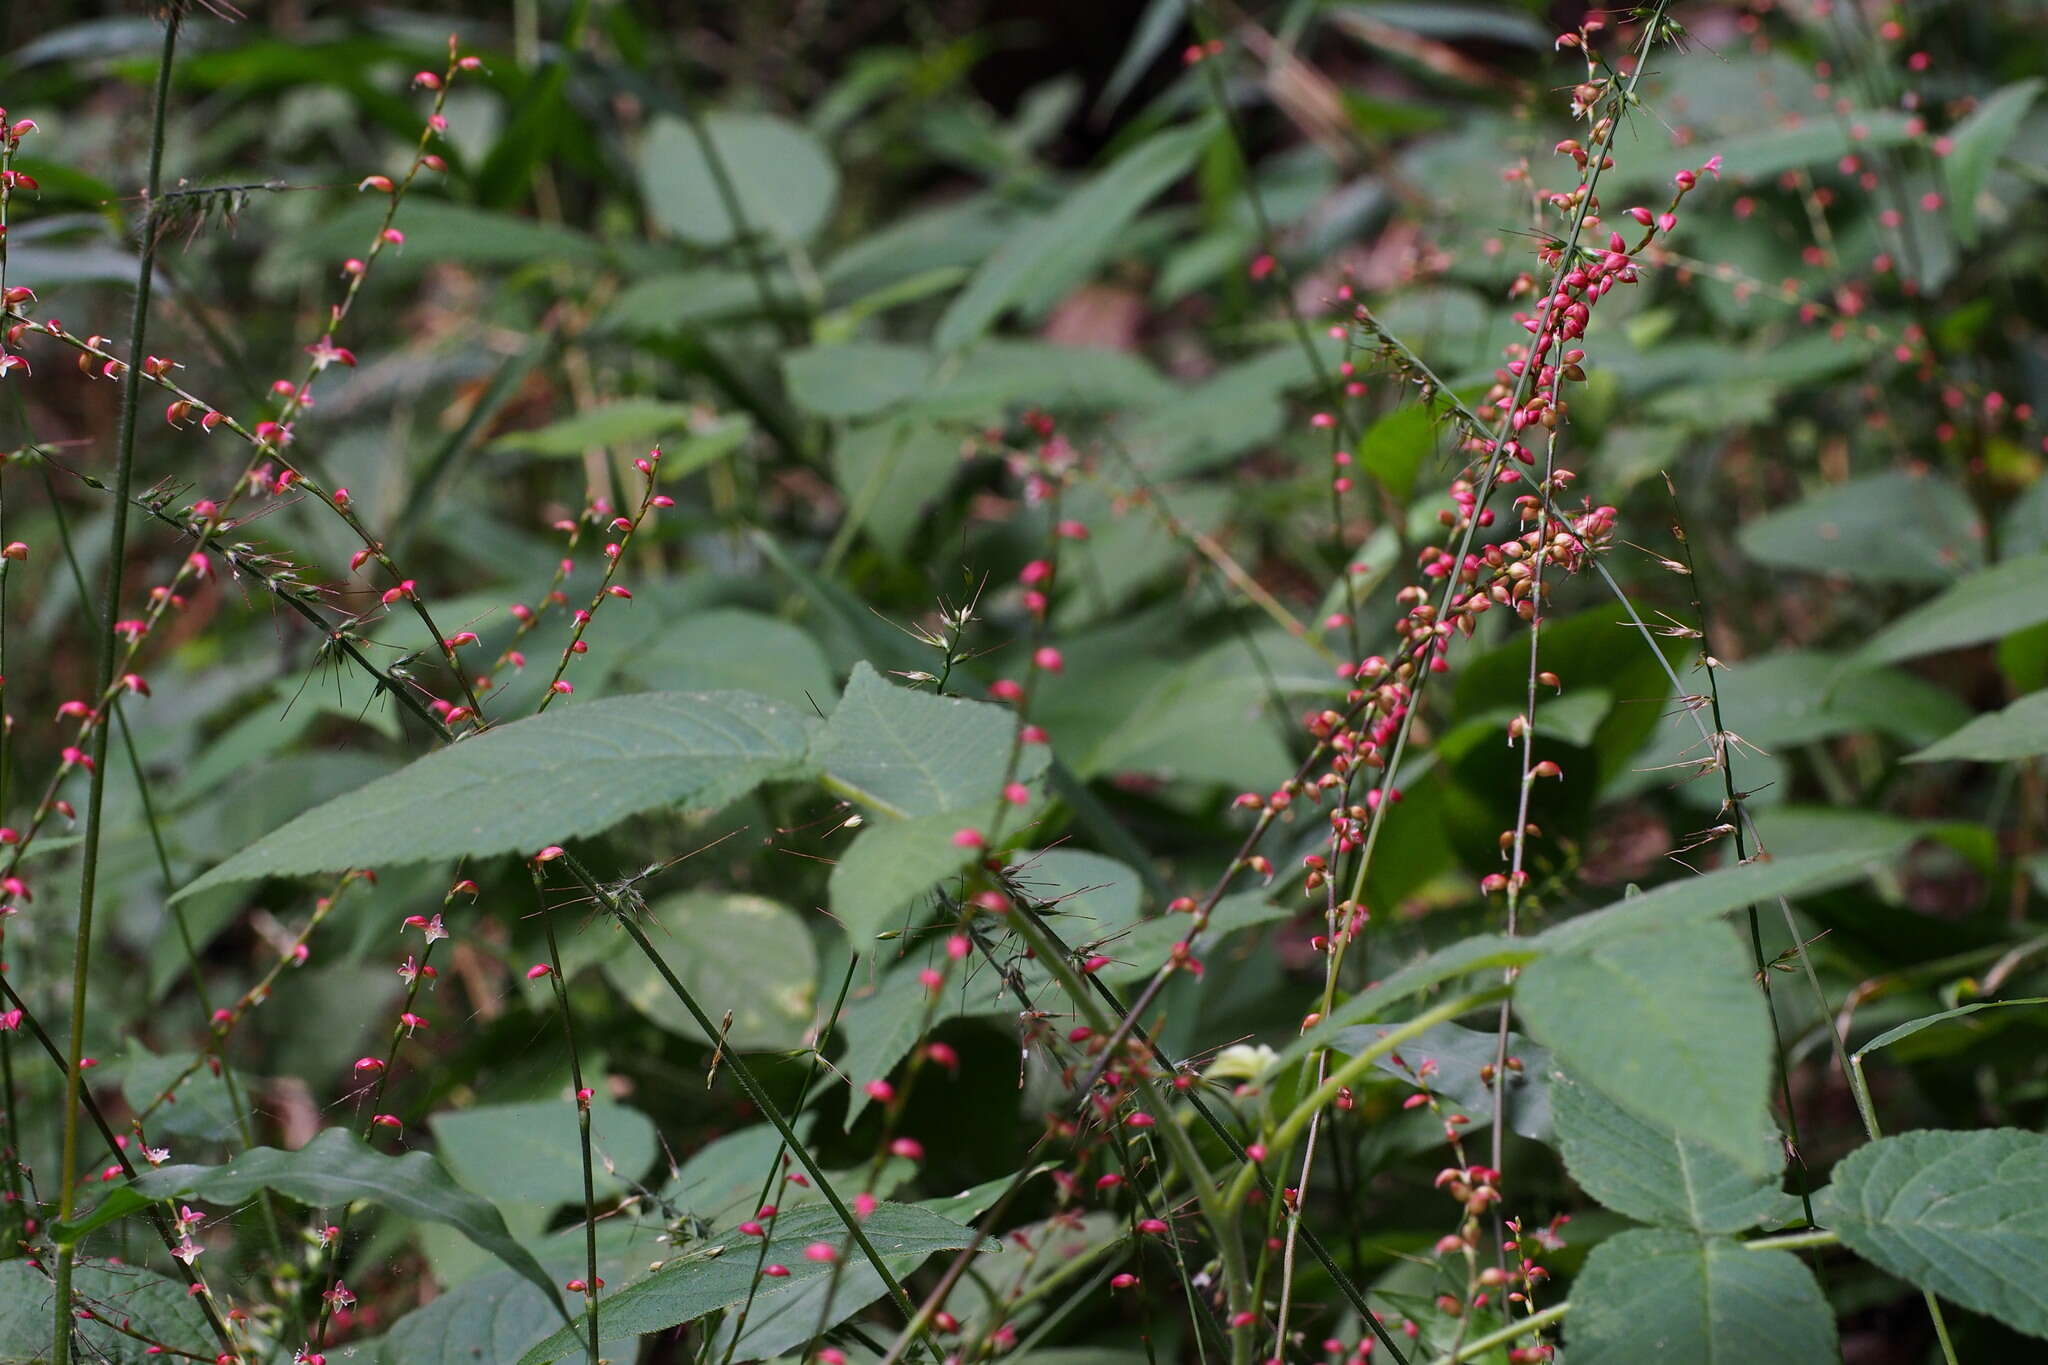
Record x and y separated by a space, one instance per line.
733 648
720 1271
890 472
629 421
518 787
1855 529
735 952
1139 952
1988 605
1654 1174
1715 893
1458 1058
782 176
1977 142
1668 1024
2019 731
335 1168
1796 697
1042 259
891 864
1480 952
1963 1215
999 373
856 379
531 1152
204 1108
154 1306
497 1316
1755 158
1913 1026
1395 448
436 231
901 752
1669 1296
665 305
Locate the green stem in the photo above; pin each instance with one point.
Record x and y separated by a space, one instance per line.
1868 1110
749 1083
1354 1066
110 605
1521 1327
583 1102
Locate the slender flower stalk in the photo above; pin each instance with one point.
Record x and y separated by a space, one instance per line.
110 606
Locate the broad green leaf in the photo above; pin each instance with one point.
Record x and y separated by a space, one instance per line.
497 1316
1798 696
957 235
1668 1024
1235 411
1479 953
1977 142
782 176
1395 448
530 1152
573 771
334 1169
1964 1215
1715 893
891 864
628 421
735 952
439 231
733 648
1657 1174
882 1026
1194 728
1139 952
1988 605
156 1307
1098 900
1855 529
1759 157
1457 1058
891 471
902 753
2019 731
1001 373
204 1110
1670 1296
719 1272
1044 258
665 305
857 379
1439 19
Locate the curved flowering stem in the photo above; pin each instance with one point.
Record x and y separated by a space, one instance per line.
415 974
614 552
96 791
147 799
225 1020
268 440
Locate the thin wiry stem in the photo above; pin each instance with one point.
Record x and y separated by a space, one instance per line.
195 1284
110 606
623 914
583 1102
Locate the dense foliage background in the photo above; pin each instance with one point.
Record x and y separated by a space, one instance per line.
1069 418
